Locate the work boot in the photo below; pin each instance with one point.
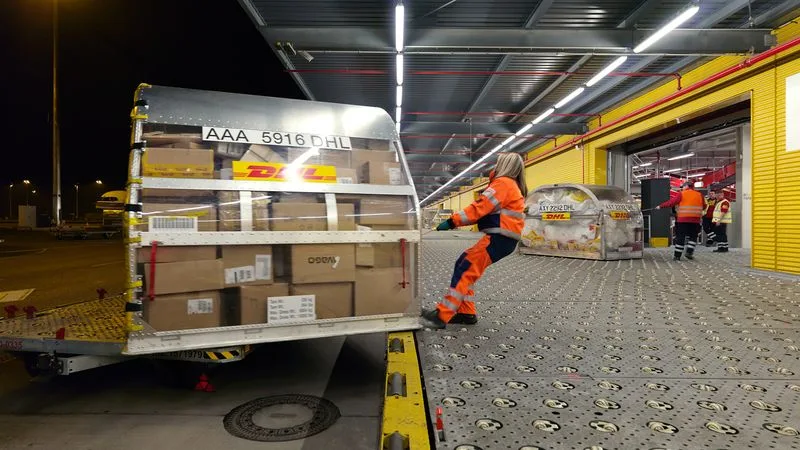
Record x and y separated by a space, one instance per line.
464 319
709 243
430 319
721 250
689 256
676 258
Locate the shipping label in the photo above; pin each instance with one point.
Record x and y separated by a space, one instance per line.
244 274
555 207
199 306
262 171
263 268
620 207
291 309
280 138
395 176
556 216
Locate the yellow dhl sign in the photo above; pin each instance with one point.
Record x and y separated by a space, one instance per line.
620 215
556 216
262 171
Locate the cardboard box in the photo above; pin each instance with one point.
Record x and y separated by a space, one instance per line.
309 217
331 300
384 210
296 197
385 173
230 150
182 140
346 176
378 291
229 211
178 163
251 306
245 265
359 157
262 153
184 311
336 158
322 263
177 254
184 276
206 215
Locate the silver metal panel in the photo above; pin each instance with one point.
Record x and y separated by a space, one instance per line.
180 106
246 210
420 40
277 237
74 364
269 186
491 128
644 354
62 346
149 342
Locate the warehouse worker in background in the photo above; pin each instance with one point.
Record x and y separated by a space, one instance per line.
499 213
708 215
721 218
689 215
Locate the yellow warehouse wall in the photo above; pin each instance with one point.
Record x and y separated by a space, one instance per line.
776 184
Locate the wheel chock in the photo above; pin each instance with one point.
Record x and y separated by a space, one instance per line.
204 385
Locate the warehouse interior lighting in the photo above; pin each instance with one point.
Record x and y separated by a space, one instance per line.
399 68
397 113
524 129
399 26
672 170
666 29
697 175
643 165
399 95
570 97
608 69
508 140
543 116
685 155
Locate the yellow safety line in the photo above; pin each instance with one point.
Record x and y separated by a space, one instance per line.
405 415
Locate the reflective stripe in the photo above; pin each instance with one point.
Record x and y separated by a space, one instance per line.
515 214
455 294
463 217
450 305
502 232
489 194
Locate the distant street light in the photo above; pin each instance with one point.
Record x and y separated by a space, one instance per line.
27 184
10 206
98 181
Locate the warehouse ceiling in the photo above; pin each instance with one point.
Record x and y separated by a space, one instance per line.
476 71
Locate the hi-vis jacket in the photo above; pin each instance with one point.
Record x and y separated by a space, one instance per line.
722 212
499 210
690 206
708 210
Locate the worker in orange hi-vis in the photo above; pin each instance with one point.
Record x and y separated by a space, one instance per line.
499 213
690 214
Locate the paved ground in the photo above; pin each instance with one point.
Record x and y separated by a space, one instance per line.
648 354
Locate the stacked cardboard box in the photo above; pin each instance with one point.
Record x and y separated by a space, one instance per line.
210 286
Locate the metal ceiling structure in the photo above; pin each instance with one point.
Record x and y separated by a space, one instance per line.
476 71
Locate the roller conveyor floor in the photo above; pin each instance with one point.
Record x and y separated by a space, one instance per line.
643 354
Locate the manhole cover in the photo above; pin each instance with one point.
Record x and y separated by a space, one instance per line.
281 418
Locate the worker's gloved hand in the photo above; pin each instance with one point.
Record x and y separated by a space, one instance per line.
446 225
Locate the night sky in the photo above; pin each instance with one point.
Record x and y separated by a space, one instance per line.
106 48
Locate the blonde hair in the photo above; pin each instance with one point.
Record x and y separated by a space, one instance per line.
511 165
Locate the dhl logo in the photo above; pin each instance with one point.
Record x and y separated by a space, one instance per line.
620 215
556 216
250 171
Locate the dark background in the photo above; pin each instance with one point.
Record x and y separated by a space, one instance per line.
106 48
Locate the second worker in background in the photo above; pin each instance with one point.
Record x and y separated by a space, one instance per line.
690 212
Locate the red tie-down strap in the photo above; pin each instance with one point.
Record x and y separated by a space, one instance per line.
151 285
403 283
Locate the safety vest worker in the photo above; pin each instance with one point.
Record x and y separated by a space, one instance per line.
690 211
499 213
708 215
722 217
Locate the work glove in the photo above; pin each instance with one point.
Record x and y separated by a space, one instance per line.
446 225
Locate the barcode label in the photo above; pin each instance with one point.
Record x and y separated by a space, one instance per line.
236 275
345 180
263 267
395 176
199 306
171 224
291 309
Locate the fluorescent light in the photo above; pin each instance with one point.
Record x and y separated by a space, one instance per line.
570 97
523 129
397 113
609 68
543 116
399 25
698 184
508 139
674 23
685 155
397 127
642 176
698 175
643 165
399 68
399 95
671 170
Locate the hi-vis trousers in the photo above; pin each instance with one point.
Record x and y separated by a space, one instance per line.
469 268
